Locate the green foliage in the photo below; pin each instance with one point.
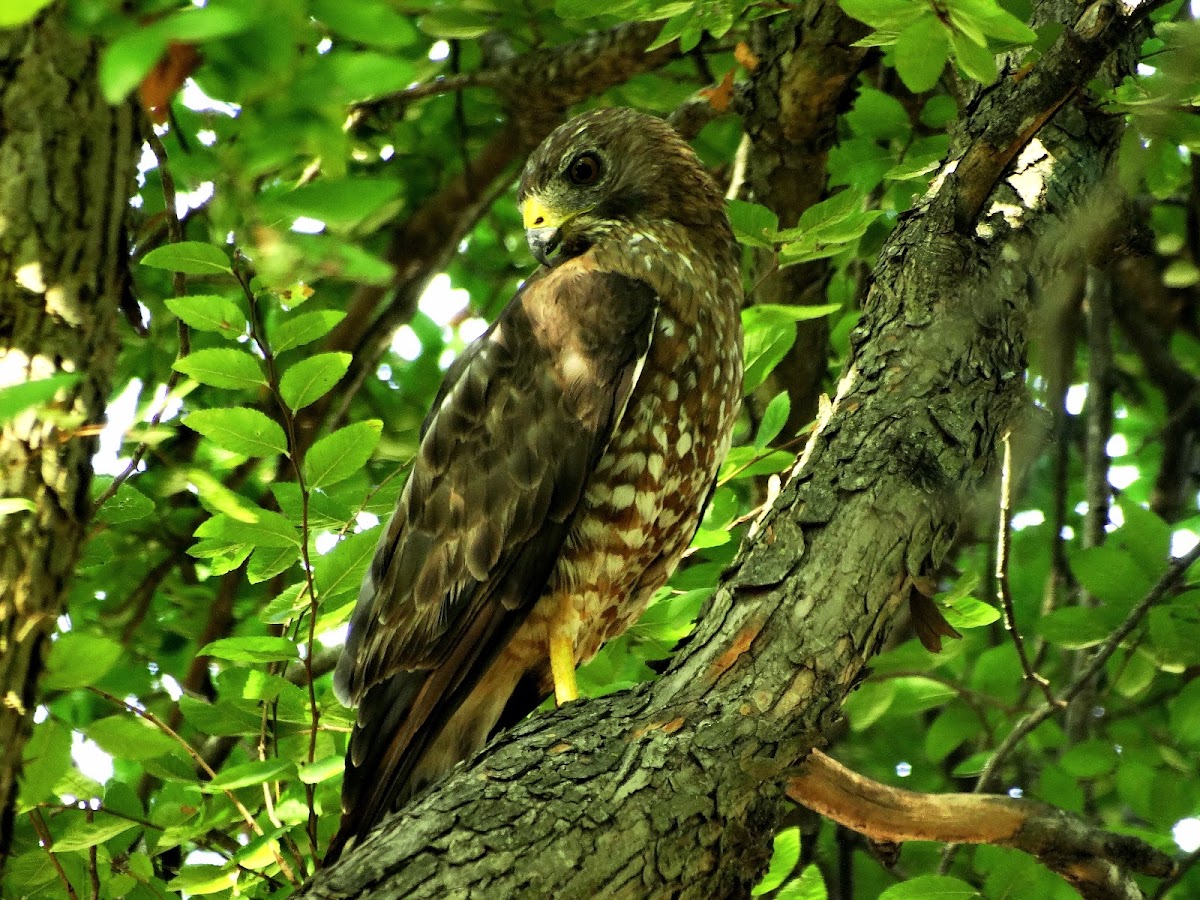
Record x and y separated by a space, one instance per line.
208 603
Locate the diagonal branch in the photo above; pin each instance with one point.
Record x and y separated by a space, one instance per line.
1095 862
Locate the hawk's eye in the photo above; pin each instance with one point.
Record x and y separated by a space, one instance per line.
584 169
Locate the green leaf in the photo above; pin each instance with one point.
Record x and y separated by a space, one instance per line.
304 328
267 562
17 398
78 659
774 417
809 886
267 529
1184 710
12 505
47 758
190 258
1076 627
879 116
340 202
244 431
18 12
978 62
921 51
129 736
209 313
953 725
312 378
223 368
322 769
868 704
127 505
247 774
1089 759
930 887
451 22
890 15
784 857
83 834
1146 536
753 224
341 454
341 570
264 648
967 612
1110 573
371 22
977 18
128 60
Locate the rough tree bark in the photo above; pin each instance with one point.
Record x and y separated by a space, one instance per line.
66 170
673 789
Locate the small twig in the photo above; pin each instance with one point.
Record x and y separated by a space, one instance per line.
1181 870
47 842
178 287
93 871
1003 586
204 766
295 455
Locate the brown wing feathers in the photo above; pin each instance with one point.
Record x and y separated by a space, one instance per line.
504 459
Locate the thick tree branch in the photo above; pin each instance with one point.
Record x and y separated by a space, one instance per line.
1095 862
68 163
673 788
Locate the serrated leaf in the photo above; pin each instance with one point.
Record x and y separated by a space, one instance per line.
78 659
246 774
267 529
190 258
304 328
341 454
341 570
83 834
130 737
264 648
753 224
921 52
310 379
267 562
209 313
17 398
967 612
127 505
244 431
223 368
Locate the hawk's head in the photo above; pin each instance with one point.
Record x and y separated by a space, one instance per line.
605 169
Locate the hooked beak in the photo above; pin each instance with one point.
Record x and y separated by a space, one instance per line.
543 229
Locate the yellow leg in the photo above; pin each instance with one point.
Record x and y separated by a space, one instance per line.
562 665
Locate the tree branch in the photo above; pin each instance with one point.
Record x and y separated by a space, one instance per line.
1095 862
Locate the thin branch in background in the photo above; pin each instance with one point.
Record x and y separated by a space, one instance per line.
1003 586
1032 720
199 760
1098 304
47 842
1181 870
93 871
241 271
178 288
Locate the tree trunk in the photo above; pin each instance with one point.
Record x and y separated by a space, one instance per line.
66 168
673 789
